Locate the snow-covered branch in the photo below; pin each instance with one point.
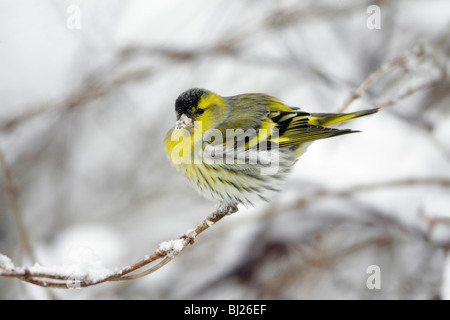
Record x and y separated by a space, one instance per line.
88 272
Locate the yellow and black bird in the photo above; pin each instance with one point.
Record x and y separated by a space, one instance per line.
237 149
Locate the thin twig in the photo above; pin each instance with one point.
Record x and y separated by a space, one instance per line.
410 91
52 280
380 72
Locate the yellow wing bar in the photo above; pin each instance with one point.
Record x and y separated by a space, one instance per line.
299 127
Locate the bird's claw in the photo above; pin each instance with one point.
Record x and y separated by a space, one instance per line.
224 209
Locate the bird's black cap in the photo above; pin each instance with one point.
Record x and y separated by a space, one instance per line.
188 100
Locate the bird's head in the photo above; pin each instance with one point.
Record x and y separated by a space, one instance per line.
199 105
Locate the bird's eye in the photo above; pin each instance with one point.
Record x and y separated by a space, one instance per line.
200 111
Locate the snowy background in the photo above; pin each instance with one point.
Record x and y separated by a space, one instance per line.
87 91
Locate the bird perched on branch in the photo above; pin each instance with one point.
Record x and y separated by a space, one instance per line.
237 149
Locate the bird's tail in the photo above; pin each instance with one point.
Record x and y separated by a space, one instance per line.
328 119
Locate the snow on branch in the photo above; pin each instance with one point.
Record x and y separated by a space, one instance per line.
89 272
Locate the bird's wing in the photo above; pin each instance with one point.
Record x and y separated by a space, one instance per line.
263 118
296 127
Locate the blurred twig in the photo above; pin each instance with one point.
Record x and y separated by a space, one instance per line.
349 191
380 72
301 12
419 53
408 182
94 87
14 201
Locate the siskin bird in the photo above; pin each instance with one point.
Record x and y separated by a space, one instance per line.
237 149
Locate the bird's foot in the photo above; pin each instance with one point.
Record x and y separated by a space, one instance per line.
224 209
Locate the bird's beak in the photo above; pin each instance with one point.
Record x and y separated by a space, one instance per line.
185 121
